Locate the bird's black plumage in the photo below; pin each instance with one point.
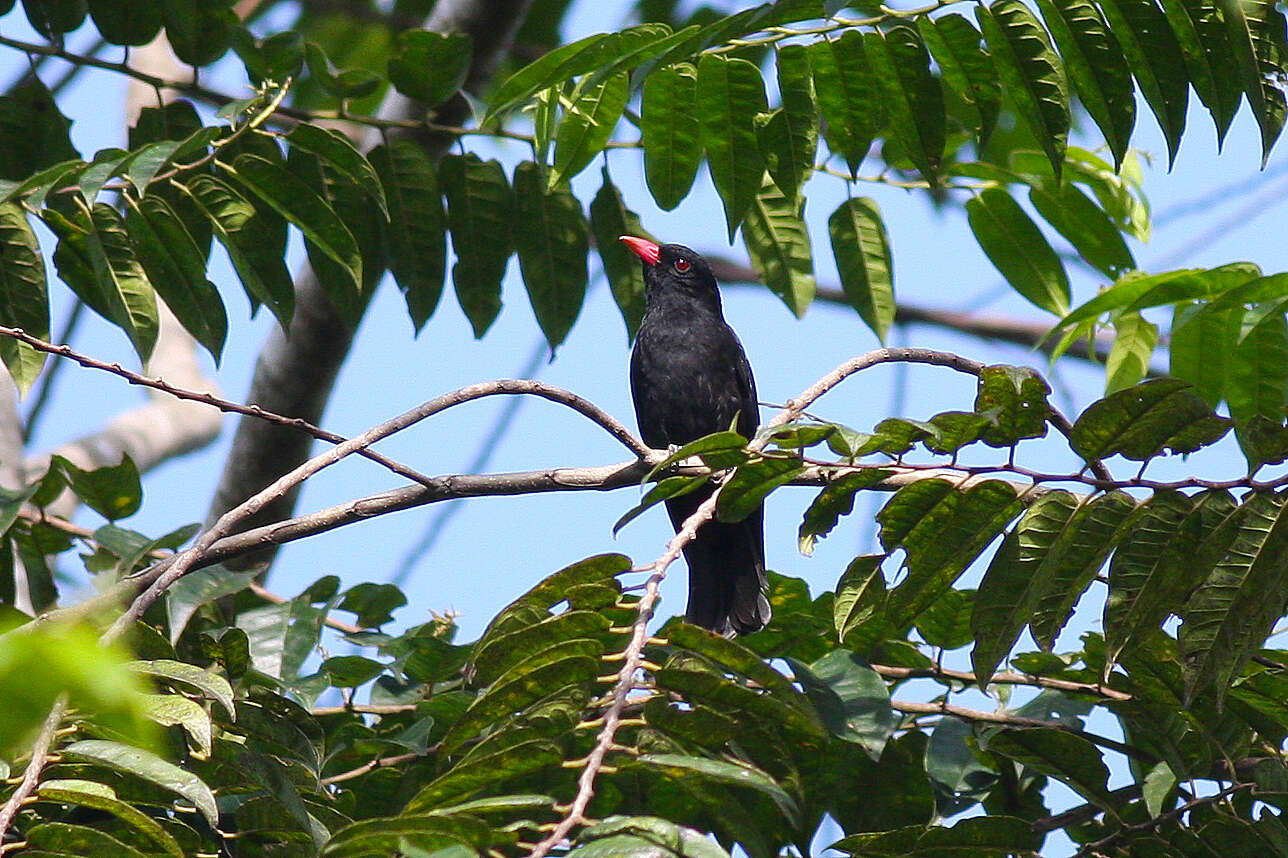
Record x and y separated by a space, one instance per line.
690 378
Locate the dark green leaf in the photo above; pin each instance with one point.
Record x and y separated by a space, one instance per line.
33 133
609 220
483 771
24 298
294 200
730 93
1018 250
1257 384
198 30
966 67
1014 399
373 604
425 834
177 268
587 125
496 654
480 211
942 528
59 839
1154 57
789 135
52 18
665 489
1085 225
552 239
254 243
835 500
778 244
417 226
1097 68
146 765
851 698
860 594
429 66
946 623
744 775
746 490
1061 755
1230 614
849 96
1032 72
670 131
1256 31
862 251
100 796
1201 33
643 837
339 153
913 98
1201 348
1143 421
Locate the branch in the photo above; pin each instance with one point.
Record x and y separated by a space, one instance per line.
1001 679
1020 722
31 775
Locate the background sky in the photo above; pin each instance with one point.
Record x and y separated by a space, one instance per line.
1209 210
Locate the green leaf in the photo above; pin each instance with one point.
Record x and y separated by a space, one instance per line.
1256 31
1153 569
789 135
610 219
670 487
974 836
482 771
670 132
835 500
778 244
1129 356
198 31
1230 614
212 685
34 134
1085 225
101 797
496 654
580 57
24 298
643 837
174 710
294 200
1201 348
113 491
851 698
746 490
59 839
177 268
966 67
862 251
1143 421
95 258
1201 32
253 247
417 228
1097 68
859 594
201 587
1018 250
849 96
430 67
1258 381
350 671
149 767
679 766
1032 72
730 94
942 528
350 83
417 833
1154 57
480 211
338 152
52 18
946 623
1061 755
913 98
1014 399
587 125
552 239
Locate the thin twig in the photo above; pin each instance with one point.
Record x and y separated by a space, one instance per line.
39 756
1005 678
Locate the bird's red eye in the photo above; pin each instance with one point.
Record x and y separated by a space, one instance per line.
682 265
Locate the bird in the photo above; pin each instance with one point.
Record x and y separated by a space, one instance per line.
690 377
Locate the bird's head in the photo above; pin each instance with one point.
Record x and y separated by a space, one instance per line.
672 266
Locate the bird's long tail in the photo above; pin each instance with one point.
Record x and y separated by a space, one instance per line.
727 582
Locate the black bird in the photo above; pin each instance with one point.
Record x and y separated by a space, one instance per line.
690 378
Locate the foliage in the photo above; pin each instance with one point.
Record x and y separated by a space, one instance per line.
214 727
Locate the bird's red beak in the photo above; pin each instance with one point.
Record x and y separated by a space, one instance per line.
643 248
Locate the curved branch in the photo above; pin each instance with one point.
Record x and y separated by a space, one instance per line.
39 757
